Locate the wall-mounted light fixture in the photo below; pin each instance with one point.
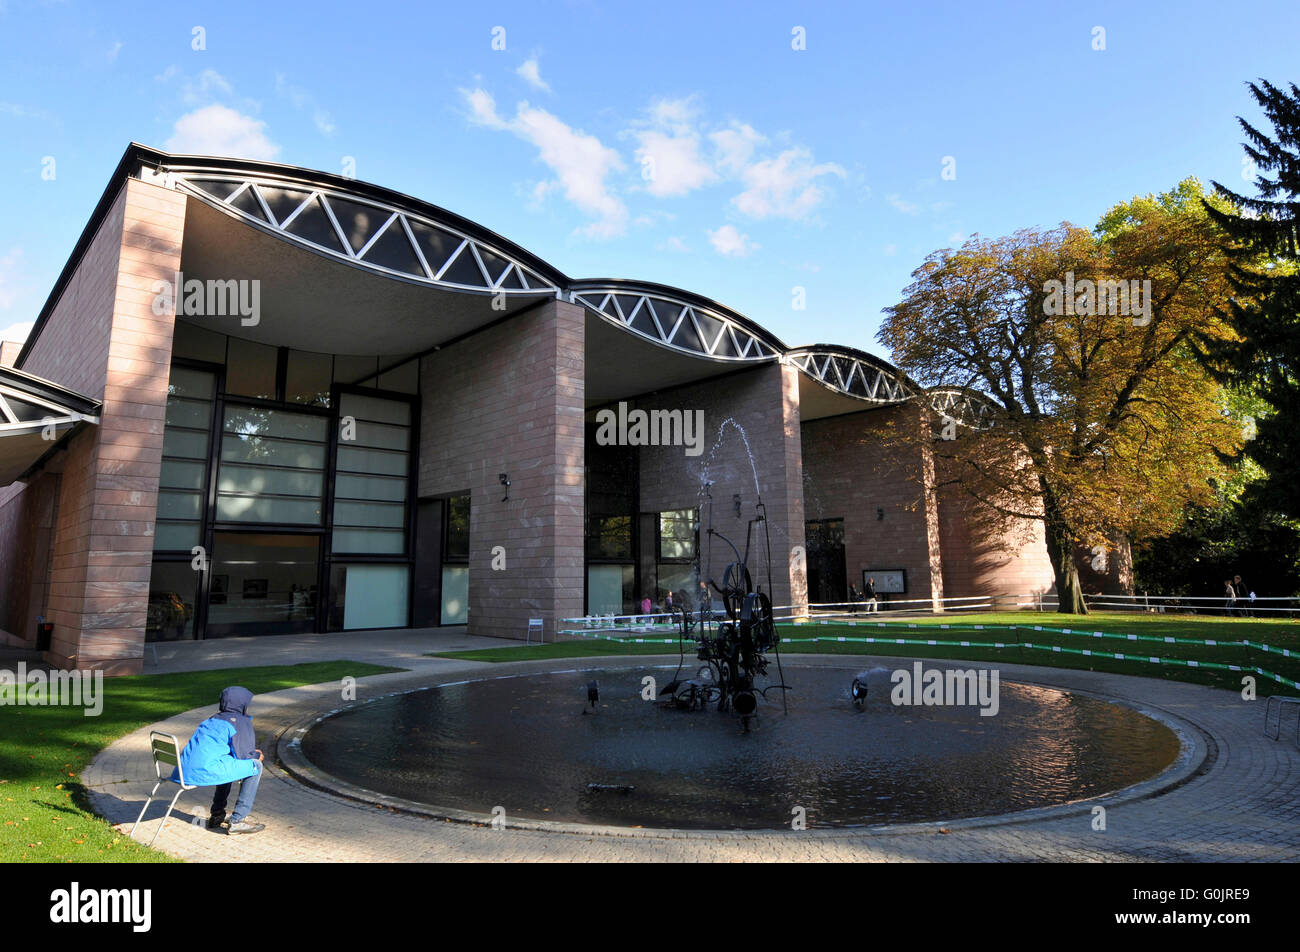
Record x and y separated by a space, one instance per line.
505 481
880 514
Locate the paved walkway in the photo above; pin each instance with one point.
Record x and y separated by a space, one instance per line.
1239 798
399 648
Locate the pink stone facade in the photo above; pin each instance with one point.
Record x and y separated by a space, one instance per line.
103 340
510 400
764 402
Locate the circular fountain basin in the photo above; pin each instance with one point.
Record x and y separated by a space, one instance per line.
523 744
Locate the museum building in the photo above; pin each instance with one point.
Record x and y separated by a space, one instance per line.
264 400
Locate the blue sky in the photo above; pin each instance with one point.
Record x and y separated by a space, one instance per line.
684 143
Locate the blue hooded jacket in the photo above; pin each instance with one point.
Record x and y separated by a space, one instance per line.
223 749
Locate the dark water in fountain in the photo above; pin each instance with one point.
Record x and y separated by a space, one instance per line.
523 743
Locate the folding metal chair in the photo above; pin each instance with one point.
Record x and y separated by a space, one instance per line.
534 625
166 753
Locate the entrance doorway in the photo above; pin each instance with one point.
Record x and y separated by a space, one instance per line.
827 575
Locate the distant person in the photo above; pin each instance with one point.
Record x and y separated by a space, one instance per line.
1230 597
223 750
1244 595
668 603
855 597
872 604
647 606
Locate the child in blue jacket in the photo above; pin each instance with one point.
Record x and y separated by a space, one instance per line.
222 751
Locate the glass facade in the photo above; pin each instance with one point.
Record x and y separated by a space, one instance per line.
285 500
455 561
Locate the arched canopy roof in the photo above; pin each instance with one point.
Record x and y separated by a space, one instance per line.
416 258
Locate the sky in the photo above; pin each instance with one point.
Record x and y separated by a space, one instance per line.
765 155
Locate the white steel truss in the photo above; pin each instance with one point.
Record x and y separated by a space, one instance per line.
381 237
674 323
854 377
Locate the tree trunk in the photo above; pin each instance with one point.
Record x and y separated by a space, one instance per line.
1060 552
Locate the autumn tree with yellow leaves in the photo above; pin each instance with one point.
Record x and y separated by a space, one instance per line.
1102 420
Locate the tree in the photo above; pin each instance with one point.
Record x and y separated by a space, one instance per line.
1263 248
1103 419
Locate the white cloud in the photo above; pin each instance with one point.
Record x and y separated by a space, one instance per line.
114 50
890 250
19 111
956 238
676 244
13 288
784 187
735 146
17 332
197 90
532 75
730 242
303 101
671 164
580 162
907 208
668 150
220 130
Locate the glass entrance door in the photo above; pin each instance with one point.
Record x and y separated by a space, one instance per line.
263 584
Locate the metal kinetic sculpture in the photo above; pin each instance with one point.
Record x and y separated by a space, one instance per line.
733 642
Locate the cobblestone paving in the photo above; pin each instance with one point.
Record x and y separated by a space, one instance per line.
1243 804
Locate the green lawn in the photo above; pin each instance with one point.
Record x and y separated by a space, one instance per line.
1284 633
43 811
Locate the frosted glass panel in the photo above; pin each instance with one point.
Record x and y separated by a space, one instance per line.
370 541
455 594
605 588
177 474
184 443
391 515
259 479
260 450
174 505
173 535
376 596
375 408
268 509
347 486
359 460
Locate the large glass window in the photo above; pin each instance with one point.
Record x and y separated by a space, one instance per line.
272 466
182 486
455 561
172 588
677 534
372 468
262 583
456 547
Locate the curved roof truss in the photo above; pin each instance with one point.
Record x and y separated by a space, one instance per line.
391 234
675 323
366 232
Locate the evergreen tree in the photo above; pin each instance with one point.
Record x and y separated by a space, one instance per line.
1263 236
